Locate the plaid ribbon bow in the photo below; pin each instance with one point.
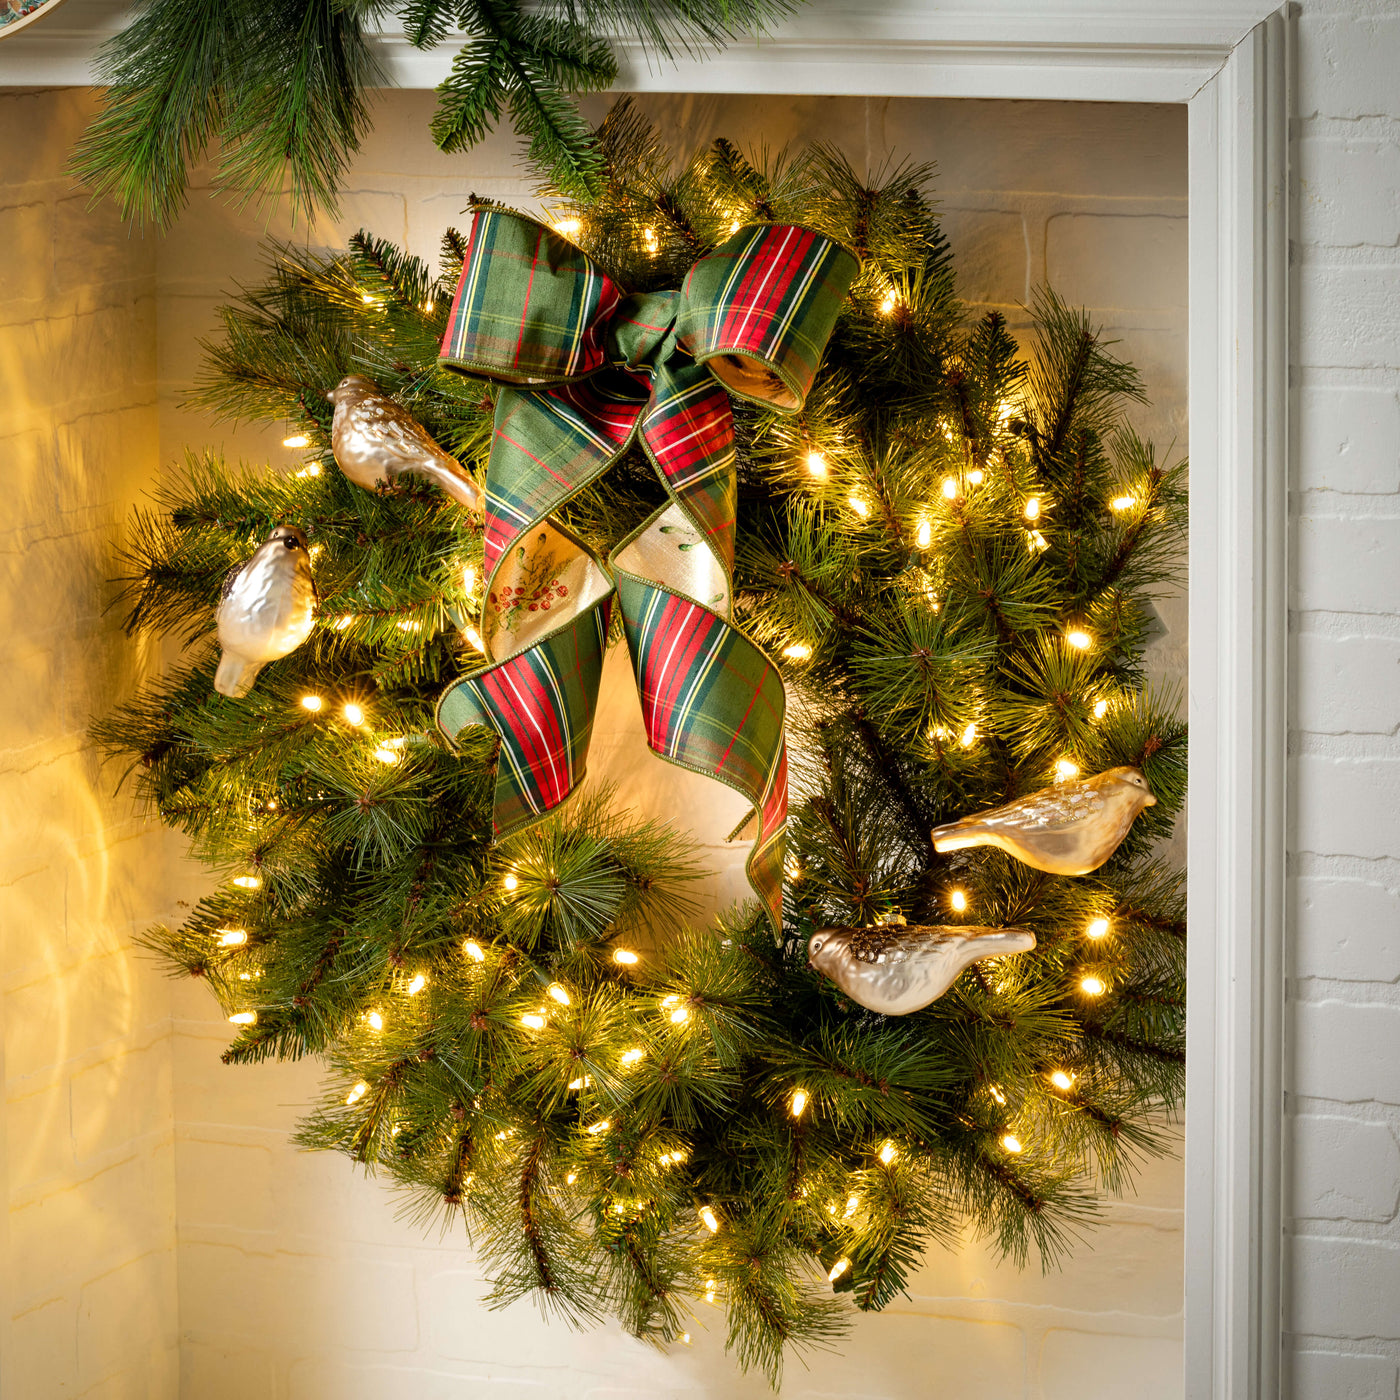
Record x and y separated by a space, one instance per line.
589 370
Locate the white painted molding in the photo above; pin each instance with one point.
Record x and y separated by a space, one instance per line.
1239 312
1229 60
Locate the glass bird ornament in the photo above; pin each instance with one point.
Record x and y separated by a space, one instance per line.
375 440
267 609
1068 829
898 968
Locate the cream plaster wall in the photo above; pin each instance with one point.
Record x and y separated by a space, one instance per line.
87 1133
295 1280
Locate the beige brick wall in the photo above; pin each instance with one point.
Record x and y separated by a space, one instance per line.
295 1279
87 1159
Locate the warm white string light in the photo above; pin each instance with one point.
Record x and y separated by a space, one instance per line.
1098 928
798 1102
419 982
957 901
244 1018
1011 1143
625 957
1093 986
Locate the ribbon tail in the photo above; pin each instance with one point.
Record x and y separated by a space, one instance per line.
712 702
541 702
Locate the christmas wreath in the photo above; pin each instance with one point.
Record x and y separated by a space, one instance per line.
944 548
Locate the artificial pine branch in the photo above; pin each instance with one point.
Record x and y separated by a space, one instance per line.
283 90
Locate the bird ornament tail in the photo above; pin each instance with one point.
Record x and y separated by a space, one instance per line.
235 676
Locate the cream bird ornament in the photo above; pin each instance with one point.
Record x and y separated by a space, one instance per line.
375 440
896 968
267 610
1068 829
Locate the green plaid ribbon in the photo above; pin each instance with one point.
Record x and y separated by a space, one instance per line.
587 371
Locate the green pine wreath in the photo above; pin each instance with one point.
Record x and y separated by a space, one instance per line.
629 1115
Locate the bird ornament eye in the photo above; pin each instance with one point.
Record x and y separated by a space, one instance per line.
816 945
290 542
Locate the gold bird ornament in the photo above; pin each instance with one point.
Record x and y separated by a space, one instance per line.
897 968
266 610
375 440
1068 829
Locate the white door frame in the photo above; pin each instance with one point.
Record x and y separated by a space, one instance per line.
1229 62
1231 66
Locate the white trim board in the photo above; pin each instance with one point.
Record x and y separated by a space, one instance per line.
1229 60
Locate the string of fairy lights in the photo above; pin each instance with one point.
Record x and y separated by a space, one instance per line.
675 1009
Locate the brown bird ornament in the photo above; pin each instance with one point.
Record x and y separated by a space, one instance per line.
898 968
376 440
1068 829
267 610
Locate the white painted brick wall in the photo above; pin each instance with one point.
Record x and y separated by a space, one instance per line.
1343 1286
295 1279
87 1178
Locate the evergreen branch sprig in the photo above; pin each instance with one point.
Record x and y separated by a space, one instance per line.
283 91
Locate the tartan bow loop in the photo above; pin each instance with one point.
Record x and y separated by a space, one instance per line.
586 370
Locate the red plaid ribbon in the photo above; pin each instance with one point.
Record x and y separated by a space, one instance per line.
588 371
